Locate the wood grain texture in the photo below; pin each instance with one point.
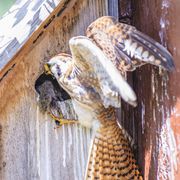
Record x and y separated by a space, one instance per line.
157 115
30 147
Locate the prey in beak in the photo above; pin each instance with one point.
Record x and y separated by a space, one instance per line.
58 119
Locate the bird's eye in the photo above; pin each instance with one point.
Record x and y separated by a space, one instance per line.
58 70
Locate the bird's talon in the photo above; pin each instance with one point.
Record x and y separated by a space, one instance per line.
60 115
60 120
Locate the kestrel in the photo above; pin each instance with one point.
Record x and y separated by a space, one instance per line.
93 77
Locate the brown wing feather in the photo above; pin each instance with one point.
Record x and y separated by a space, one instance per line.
127 47
111 155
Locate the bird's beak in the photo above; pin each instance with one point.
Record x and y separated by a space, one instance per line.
47 69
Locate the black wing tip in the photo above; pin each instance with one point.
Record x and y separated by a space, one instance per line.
169 64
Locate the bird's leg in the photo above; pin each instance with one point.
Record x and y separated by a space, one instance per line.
61 121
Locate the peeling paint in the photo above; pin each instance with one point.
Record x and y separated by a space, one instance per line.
167 145
38 141
143 116
164 22
168 152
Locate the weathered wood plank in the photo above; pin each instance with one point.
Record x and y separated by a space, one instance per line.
158 93
30 147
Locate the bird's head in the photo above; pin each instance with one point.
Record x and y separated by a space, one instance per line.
58 65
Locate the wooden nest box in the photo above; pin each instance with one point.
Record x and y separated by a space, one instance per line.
31 32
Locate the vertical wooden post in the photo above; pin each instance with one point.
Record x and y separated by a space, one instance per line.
157 115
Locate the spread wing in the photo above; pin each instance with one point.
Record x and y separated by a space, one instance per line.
77 87
112 48
127 47
106 81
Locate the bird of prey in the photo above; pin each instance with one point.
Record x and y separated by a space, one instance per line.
93 77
